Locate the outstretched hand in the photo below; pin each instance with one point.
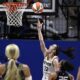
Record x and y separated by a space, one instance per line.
39 24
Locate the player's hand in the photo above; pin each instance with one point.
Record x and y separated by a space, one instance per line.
39 24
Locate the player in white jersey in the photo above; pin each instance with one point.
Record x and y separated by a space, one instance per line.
48 67
51 62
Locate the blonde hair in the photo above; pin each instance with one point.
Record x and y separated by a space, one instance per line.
12 69
10 47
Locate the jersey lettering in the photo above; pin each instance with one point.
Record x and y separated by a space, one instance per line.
45 68
49 64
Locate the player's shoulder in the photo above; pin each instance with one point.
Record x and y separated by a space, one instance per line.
55 57
25 66
26 70
2 66
2 69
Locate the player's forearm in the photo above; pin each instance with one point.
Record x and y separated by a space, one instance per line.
40 35
42 44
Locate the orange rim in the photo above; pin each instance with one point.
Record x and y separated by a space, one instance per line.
13 6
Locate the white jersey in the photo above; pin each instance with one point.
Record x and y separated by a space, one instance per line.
48 67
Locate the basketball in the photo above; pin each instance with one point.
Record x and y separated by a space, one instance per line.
37 7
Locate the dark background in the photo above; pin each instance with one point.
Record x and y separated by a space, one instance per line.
64 25
32 55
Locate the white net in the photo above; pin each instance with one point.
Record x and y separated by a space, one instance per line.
14 14
14 19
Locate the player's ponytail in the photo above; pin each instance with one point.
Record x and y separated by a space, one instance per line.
68 51
12 72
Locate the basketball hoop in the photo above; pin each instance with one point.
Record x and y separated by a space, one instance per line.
13 12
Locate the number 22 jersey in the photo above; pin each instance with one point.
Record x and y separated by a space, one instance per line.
48 67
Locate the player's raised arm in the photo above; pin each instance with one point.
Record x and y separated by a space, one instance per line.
40 36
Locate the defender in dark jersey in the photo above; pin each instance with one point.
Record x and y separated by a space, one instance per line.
13 70
62 74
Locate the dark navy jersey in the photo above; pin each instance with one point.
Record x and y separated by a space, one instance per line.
63 76
19 65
